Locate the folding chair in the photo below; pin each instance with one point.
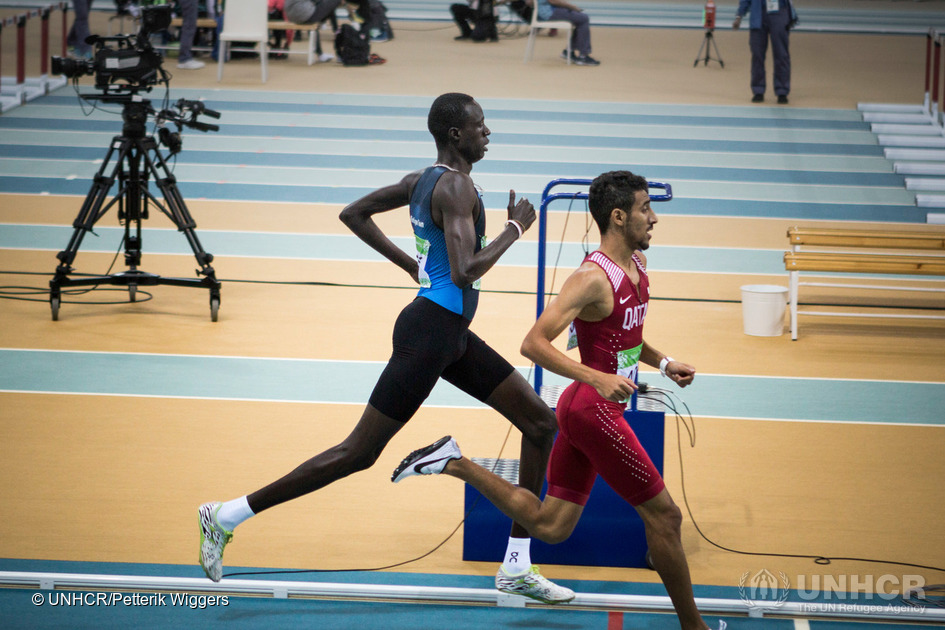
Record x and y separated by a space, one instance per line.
537 24
245 21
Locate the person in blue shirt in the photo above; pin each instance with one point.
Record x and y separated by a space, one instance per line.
769 19
431 340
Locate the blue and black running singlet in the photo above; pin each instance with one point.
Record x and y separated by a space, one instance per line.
436 283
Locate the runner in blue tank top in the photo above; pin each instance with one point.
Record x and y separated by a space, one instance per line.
435 273
431 339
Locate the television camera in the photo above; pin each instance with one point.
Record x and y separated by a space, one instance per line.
134 160
123 63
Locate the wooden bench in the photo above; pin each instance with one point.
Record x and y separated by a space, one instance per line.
210 23
282 25
201 22
885 239
854 259
274 25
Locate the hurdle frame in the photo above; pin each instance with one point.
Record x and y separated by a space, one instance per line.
19 89
915 113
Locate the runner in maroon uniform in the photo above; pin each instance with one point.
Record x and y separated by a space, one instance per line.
607 299
589 423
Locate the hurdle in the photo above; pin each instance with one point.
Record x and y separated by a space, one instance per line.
917 113
17 90
916 131
913 136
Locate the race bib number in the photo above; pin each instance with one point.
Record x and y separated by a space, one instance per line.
423 251
627 363
772 6
572 337
482 243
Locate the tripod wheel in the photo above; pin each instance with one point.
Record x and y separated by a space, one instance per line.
214 308
132 292
54 305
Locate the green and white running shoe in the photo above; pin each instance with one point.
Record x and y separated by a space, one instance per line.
213 539
534 585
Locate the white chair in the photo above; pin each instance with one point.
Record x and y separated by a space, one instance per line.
536 24
245 21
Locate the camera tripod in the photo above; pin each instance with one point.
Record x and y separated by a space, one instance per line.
132 159
708 42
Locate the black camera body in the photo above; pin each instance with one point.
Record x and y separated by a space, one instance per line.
130 64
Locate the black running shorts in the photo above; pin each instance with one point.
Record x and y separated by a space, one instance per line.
429 342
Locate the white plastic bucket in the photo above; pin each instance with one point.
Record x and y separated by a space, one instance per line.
763 308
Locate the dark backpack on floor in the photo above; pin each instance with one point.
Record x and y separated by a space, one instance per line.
352 46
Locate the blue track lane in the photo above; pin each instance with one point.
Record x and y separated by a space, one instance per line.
333 148
351 382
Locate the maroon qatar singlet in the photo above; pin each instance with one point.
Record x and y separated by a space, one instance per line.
593 437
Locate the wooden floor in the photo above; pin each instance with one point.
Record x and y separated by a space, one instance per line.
113 478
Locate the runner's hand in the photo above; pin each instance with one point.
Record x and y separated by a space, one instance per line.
522 211
681 373
614 387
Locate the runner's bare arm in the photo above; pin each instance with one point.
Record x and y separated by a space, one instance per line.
358 217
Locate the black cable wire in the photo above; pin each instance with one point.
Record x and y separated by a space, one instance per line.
14 292
397 564
550 294
823 560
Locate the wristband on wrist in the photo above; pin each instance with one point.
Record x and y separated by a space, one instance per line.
518 227
664 363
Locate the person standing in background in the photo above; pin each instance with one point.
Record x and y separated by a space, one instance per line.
188 29
79 31
769 19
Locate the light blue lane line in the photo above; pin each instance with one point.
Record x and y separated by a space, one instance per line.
348 247
23 160
834 400
795 211
348 382
379 123
824 145
278 179
201 148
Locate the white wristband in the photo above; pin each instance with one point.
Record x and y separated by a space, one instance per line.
518 227
664 363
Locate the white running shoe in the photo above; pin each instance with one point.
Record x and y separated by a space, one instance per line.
429 460
325 57
191 64
533 584
213 539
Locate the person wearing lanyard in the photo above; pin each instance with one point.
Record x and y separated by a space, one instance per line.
769 19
